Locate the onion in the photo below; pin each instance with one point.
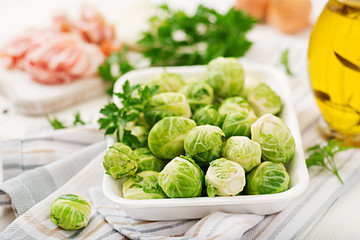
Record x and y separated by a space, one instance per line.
290 16
255 8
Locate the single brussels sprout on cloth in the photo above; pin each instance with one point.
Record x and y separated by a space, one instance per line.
244 151
203 144
166 105
225 76
146 161
238 124
167 82
267 178
264 100
70 212
143 185
181 178
120 161
166 138
207 115
198 93
232 105
277 143
224 178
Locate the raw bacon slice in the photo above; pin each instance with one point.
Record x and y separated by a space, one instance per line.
63 59
65 51
15 51
92 27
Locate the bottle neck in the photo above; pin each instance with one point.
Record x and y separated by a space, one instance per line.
351 3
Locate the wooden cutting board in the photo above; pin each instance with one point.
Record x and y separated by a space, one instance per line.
32 98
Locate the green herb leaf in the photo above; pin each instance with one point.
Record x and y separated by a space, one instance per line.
114 66
55 123
78 119
315 159
285 62
179 39
324 156
130 139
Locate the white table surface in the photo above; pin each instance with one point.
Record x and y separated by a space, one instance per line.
341 219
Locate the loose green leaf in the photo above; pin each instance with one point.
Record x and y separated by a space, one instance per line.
324 156
78 119
55 123
285 62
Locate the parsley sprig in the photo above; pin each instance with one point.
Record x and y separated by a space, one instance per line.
114 66
324 156
176 38
115 119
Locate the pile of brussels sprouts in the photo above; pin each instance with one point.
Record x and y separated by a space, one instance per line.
209 137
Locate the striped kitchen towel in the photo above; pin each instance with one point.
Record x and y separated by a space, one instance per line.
20 155
31 168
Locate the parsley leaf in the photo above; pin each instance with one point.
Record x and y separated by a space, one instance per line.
285 62
114 66
323 156
115 119
179 39
55 123
78 119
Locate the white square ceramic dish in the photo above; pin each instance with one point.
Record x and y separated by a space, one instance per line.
191 208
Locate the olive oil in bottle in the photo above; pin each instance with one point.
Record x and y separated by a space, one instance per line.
334 68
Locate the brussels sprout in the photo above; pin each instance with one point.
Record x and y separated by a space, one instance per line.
226 76
204 144
277 143
249 85
167 82
207 115
166 138
143 185
244 151
70 212
181 178
166 105
264 100
197 94
224 178
232 105
146 161
238 124
267 178
120 161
